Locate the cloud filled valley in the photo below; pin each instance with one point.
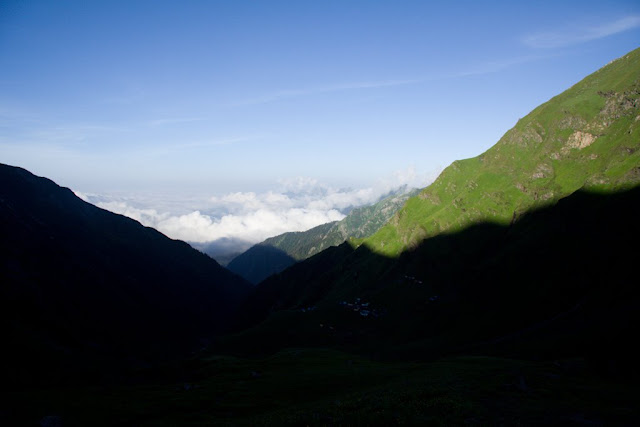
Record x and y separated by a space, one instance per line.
232 222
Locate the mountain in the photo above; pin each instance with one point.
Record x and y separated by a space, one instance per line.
527 249
80 283
223 250
503 294
277 253
587 137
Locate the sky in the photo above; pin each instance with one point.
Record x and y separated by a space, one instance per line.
205 117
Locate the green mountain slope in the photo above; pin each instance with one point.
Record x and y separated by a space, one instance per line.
279 252
536 234
588 136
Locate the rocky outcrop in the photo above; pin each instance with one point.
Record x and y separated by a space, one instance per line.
581 140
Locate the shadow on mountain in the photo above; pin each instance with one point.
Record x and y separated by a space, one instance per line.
84 289
260 262
279 252
558 282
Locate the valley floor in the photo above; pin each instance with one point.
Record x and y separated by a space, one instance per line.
327 387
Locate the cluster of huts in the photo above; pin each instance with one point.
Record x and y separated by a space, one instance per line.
361 307
412 279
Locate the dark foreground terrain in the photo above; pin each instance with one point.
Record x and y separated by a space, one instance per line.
523 351
326 387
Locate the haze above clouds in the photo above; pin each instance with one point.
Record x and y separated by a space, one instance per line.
244 218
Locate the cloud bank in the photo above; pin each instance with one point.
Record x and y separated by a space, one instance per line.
297 204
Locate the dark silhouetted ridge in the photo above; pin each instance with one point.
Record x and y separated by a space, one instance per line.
80 283
259 262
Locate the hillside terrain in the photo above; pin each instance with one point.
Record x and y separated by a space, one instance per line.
279 252
80 284
587 137
505 293
536 231
557 277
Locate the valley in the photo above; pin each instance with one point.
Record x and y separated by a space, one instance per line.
505 293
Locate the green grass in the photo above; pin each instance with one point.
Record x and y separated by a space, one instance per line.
361 222
532 165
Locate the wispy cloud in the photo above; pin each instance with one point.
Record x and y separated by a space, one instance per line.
580 34
499 65
166 149
214 142
126 97
174 120
73 132
38 133
294 93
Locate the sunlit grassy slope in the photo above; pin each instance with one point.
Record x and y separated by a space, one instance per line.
586 137
360 223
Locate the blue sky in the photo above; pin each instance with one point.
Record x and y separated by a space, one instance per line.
237 94
240 96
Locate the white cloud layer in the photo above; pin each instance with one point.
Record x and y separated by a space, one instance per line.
299 204
580 34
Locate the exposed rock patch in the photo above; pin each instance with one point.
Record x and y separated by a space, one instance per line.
451 187
543 170
572 122
433 198
597 180
532 133
581 140
620 104
633 176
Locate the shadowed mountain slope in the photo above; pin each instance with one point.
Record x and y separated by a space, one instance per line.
80 281
560 282
279 252
260 261
534 236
